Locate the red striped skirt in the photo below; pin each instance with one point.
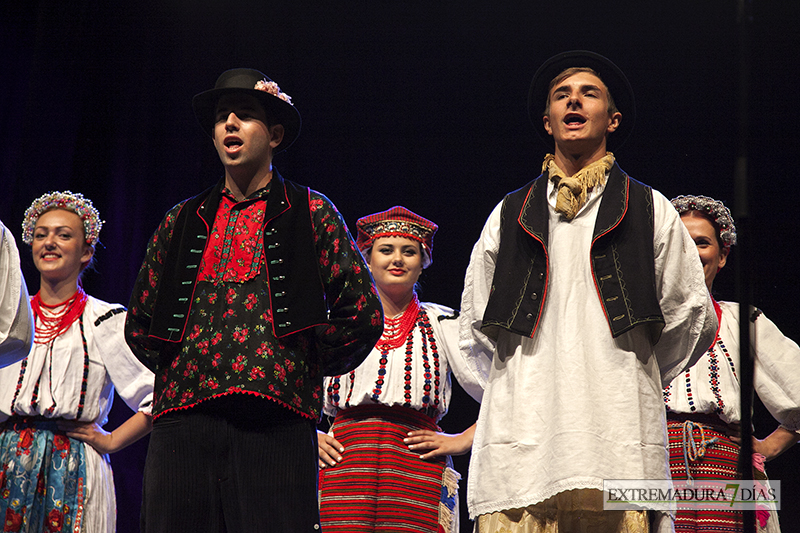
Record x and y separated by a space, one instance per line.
719 462
380 485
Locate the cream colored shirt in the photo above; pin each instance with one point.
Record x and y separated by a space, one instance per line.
16 320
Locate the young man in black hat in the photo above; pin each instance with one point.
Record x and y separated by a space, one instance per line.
586 290
249 293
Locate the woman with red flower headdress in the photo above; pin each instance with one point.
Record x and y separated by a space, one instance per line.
55 402
703 411
385 463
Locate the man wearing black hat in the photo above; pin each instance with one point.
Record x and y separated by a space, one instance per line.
587 292
249 293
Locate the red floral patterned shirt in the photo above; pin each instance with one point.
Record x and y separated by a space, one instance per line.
229 345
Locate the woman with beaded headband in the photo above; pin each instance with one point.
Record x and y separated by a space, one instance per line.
53 450
385 463
703 411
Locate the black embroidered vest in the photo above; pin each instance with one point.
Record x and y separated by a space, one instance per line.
297 296
621 253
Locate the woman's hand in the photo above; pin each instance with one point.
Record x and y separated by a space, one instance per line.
438 444
134 428
771 447
330 450
89 432
776 443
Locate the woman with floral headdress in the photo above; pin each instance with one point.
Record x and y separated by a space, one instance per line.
56 473
703 408
385 463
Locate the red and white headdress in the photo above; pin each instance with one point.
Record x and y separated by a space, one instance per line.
397 222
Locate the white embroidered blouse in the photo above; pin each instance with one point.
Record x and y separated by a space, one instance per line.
415 375
712 385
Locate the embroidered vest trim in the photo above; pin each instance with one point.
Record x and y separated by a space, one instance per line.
621 255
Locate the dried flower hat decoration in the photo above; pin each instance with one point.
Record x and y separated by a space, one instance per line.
713 209
270 87
71 201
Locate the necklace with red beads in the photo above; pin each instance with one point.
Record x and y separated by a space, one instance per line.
53 320
396 329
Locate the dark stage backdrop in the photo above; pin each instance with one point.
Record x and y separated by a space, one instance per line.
419 103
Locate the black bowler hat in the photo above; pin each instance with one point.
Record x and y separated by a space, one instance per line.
612 76
277 105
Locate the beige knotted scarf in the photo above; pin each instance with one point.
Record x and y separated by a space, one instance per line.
572 189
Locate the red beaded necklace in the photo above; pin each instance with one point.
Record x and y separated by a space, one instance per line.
53 320
395 330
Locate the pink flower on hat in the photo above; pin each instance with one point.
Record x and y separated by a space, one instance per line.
272 88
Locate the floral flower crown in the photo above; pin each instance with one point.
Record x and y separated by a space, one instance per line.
272 88
713 209
71 201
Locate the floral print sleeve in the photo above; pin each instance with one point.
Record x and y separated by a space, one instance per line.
140 308
354 309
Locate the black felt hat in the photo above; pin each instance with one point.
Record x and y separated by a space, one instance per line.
276 104
612 76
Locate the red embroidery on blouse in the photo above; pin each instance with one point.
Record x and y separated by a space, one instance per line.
235 250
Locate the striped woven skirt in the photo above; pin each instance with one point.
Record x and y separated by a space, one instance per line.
382 486
718 460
